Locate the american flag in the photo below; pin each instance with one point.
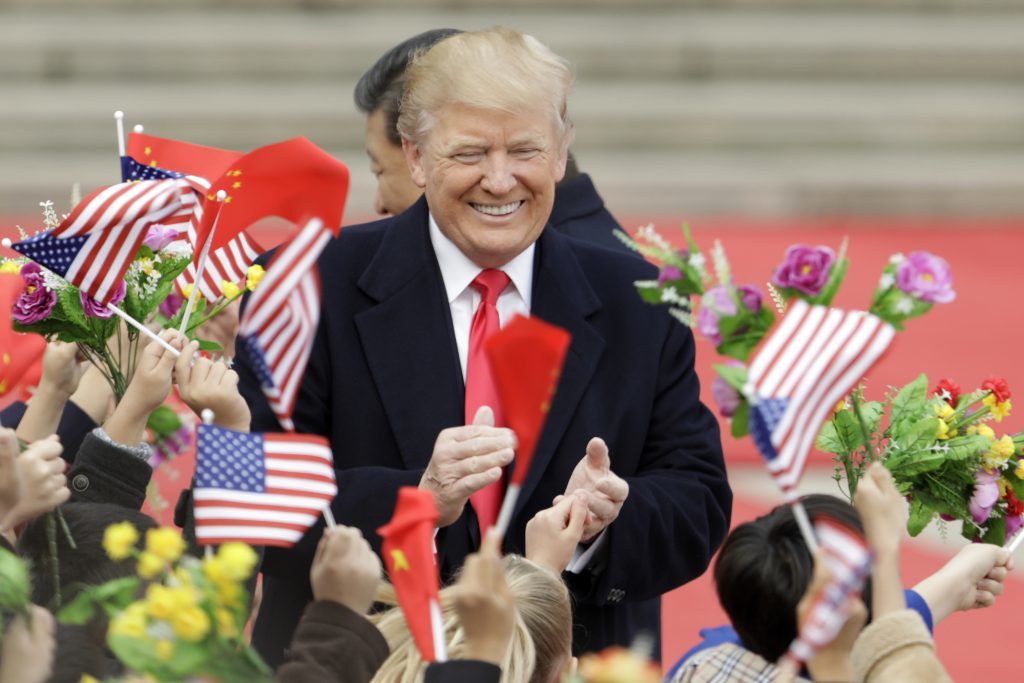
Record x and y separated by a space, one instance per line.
263 489
280 320
228 263
848 559
93 247
806 366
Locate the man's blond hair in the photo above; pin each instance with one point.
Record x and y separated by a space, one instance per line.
497 68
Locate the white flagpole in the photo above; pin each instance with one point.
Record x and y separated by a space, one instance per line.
508 505
201 266
804 522
143 329
119 117
138 128
207 417
1015 543
437 629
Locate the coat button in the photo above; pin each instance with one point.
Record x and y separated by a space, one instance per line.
80 483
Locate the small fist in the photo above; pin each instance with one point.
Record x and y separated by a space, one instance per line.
345 569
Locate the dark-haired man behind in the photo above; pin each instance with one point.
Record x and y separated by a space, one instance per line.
578 211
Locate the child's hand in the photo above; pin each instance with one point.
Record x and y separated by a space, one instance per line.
882 509
148 389
203 383
28 652
972 579
553 534
345 569
484 603
62 369
36 483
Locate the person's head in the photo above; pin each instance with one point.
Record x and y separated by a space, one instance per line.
85 565
485 131
541 641
764 569
378 94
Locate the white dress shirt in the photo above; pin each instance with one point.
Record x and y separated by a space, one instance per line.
458 273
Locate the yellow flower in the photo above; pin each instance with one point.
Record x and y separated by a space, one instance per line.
162 602
164 650
146 265
230 289
943 410
1020 469
131 622
187 292
119 540
229 594
191 624
238 560
983 430
10 266
253 276
943 431
999 410
150 565
226 625
166 543
839 407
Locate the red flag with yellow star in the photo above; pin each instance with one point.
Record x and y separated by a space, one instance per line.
294 180
21 353
526 359
183 157
408 550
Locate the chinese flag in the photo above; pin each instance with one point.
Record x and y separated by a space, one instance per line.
21 353
183 157
526 361
294 180
409 557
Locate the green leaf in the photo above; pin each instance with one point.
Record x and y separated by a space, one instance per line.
847 431
734 376
14 583
164 420
71 306
207 345
996 532
114 595
919 435
78 611
741 420
828 439
835 279
963 447
920 516
908 404
651 295
871 412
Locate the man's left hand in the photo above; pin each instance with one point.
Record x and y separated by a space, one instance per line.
604 491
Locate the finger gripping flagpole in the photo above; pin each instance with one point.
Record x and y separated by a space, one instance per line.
201 266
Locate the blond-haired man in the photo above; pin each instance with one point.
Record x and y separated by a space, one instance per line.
394 383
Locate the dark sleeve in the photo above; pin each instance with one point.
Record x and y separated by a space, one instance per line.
679 500
74 425
104 473
333 644
462 671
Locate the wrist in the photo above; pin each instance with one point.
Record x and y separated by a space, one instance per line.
51 391
486 650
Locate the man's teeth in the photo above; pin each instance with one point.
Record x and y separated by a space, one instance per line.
502 210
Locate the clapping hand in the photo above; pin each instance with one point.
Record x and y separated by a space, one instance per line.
603 490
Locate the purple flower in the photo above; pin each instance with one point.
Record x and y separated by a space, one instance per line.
169 306
751 298
96 309
986 494
36 300
1013 525
159 236
727 398
716 302
805 269
926 275
669 273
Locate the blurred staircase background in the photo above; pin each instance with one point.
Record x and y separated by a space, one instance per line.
762 108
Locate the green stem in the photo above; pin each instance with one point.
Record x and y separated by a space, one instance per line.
66 529
214 312
865 432
51 542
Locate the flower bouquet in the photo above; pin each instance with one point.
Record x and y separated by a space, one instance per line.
190 621
942 451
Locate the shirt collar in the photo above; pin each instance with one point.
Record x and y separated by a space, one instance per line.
458 271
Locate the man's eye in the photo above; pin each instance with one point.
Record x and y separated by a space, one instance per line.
525 152
468 157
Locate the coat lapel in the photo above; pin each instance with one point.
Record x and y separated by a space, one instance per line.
407 338
562 296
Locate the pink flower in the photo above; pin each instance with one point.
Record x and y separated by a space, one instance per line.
927 276
159 236
750 296
36 300
717 302
94 308
169 306
986 495
805 269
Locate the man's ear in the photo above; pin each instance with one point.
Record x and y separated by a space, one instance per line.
562 160
414 158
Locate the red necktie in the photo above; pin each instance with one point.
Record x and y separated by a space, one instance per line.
480 389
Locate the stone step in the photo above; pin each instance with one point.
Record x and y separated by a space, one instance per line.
607 115
671 43
827 182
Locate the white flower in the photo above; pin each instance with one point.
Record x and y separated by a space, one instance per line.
669 295
697 260
904 305
886 281
896 259
53 282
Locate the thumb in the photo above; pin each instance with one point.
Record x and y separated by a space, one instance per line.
597 454
484 417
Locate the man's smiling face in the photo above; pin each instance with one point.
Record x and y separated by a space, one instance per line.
489 177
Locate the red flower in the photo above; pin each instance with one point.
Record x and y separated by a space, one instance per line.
999 388
950 387
1014 507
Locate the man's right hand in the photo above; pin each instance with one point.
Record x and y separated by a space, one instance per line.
465 460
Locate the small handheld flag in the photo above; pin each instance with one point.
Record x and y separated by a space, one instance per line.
280 321
178 156
409 557
263 489
526 359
